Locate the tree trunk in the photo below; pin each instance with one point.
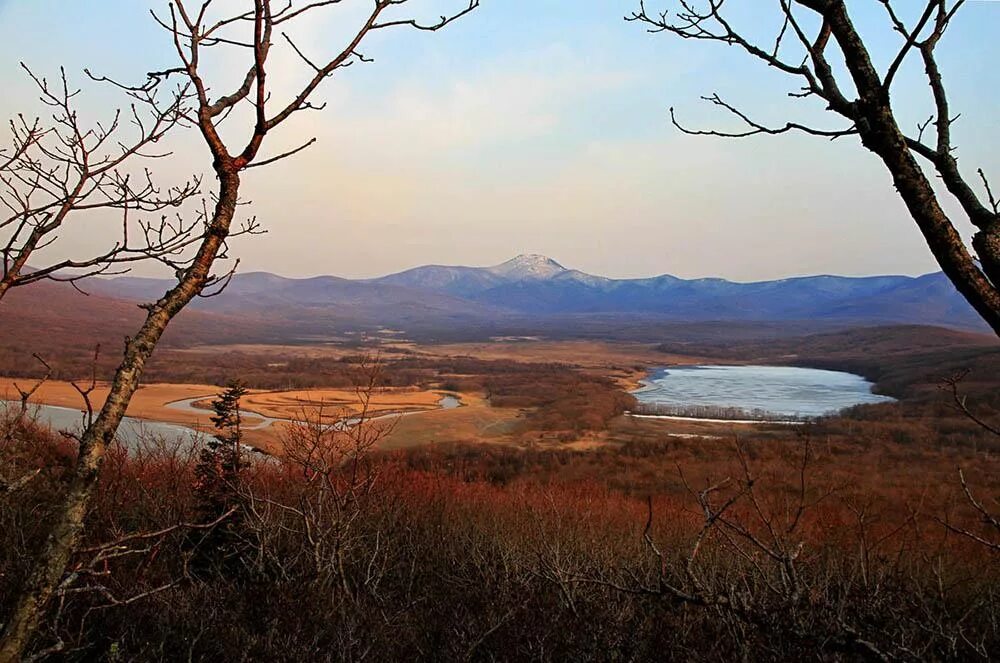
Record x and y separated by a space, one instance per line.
986 242
67 531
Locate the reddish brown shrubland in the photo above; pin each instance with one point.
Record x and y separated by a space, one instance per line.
499 553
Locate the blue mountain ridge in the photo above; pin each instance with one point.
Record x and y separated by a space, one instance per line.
535 286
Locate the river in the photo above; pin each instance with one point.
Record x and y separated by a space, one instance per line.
132 429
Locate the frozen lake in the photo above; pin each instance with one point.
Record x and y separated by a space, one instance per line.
778 390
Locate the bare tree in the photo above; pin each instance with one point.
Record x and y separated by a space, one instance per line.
329 462
196 31
67 169
816 40
91 575
988 519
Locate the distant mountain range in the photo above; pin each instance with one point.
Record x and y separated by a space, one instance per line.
534 288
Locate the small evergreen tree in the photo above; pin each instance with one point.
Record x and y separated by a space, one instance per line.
218 478
219 464
228 439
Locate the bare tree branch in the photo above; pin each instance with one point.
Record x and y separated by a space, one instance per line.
870 113
54 174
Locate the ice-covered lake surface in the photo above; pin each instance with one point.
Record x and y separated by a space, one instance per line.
778 390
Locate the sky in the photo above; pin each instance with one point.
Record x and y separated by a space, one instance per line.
537 126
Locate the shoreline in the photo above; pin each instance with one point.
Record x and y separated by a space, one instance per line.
676 417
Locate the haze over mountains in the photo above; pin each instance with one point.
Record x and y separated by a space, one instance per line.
536 288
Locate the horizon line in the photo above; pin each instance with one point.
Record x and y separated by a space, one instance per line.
561 266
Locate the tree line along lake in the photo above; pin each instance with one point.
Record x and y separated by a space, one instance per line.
756 391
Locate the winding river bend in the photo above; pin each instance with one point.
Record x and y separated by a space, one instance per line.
133 430
447 402
762 392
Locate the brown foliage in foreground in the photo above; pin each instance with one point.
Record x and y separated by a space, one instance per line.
769 553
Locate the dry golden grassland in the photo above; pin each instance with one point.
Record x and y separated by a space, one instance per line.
151 402
475 422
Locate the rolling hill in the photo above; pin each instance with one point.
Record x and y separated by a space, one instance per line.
64 326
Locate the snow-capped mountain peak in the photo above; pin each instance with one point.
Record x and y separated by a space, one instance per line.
531 266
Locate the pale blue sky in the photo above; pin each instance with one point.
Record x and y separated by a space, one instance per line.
541 126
